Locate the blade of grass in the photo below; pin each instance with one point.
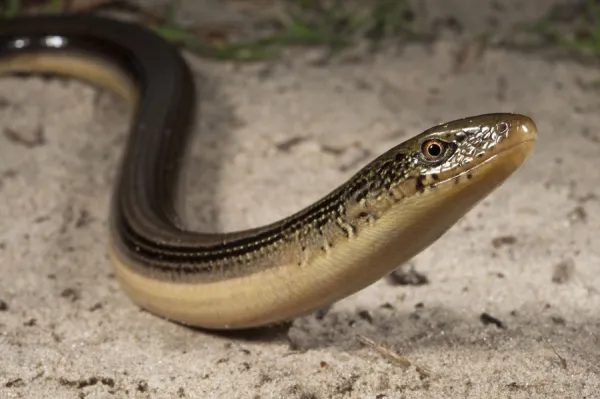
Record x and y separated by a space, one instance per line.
54 7
13 8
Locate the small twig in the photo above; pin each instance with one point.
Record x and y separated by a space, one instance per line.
32 139
393 356
563 361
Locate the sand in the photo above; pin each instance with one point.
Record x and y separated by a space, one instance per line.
273 137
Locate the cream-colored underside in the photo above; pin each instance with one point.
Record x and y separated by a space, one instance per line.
86 67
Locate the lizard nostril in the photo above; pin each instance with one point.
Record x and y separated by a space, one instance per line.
502 128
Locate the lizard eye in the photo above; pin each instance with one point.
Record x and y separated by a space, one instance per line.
433 149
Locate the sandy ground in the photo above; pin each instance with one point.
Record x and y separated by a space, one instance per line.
272 138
